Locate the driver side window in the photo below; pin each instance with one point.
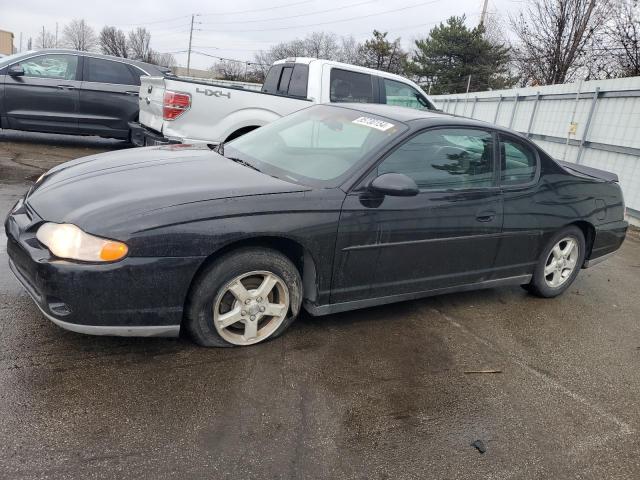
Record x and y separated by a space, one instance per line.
445 158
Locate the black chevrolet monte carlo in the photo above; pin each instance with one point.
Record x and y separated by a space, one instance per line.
330 209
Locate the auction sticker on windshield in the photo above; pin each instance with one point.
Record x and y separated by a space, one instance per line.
374 123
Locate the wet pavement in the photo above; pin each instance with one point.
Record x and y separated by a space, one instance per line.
380 393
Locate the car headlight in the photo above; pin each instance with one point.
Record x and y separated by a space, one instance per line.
65 240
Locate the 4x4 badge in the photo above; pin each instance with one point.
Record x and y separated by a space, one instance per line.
213 93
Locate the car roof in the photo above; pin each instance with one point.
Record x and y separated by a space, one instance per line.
421 117
143 65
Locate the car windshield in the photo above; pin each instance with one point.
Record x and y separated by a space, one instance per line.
8 60
317 146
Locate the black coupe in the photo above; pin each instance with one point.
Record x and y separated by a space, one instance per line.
330 209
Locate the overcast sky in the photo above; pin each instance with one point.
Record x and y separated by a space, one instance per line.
237 29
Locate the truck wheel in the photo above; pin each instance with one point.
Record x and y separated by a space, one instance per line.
559 263
245 297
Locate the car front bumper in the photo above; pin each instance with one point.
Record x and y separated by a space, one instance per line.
138 296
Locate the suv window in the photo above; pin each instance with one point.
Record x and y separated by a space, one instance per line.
106 71
137 73
299 80
403 95
61 67
444 159
518 162
348 86
270 84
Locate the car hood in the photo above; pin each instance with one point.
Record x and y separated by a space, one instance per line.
110 188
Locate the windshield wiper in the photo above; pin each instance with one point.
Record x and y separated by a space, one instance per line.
243 162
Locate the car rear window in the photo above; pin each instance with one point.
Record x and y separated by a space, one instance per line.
270 84
299 80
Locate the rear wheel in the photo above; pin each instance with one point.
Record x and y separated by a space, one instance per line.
244 298
559 263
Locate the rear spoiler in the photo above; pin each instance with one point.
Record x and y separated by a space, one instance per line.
589 171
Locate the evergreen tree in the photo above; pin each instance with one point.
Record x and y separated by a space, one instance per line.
452 52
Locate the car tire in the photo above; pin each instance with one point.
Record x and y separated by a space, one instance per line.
556 270
258 289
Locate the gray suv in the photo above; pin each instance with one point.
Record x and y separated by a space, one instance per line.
71 92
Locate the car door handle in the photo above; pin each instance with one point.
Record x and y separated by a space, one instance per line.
132 93
66 87
485 216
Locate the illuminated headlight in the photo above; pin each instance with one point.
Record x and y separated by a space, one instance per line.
65 240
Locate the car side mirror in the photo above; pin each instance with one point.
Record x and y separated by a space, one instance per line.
15 71
395 185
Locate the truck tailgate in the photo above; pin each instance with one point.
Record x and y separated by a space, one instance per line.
151 99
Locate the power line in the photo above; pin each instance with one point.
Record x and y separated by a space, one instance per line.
296 16
257 9
333 21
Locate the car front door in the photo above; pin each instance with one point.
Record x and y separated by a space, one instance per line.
45 97
108 97
445 236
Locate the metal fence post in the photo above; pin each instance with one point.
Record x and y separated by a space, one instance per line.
473 107
587 125
513 112
455 106
533 114
495 118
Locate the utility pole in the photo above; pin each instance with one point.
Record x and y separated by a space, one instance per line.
43 42
189 54
484 12
20 42
56 34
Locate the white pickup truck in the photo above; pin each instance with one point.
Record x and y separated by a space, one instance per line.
177 110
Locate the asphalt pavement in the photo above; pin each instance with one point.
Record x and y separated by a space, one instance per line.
381 393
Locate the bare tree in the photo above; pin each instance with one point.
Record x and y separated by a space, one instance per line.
163 59
140 45
45 39
623 38
317 45
554 38
113 41
229 70
79 36
349 51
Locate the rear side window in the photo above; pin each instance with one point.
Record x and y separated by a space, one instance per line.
270 84
518 162
137 73
350 87
299 80
106 71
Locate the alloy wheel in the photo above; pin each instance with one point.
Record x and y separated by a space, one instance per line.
251 307
561 262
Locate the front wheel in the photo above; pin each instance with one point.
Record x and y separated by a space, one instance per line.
244 298
559 263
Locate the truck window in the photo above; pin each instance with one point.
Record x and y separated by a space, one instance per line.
299 80
350 87
403 95
270 84
283 85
